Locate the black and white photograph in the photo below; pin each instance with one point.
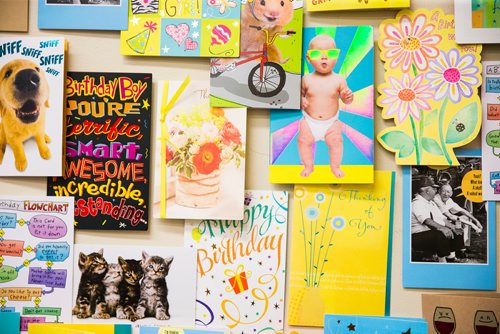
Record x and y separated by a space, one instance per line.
84 2
448 225
136 285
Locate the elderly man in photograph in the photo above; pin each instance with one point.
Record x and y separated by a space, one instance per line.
430 231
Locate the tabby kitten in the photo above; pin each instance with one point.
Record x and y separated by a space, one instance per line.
154 290
129 288
111 282
90 299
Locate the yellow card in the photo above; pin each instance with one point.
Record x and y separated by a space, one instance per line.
340 241
323 5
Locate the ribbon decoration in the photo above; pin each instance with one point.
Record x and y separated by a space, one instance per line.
237 279
165 109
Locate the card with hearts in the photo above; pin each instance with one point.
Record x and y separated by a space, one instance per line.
182 28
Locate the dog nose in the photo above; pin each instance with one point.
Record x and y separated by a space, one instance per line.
27 80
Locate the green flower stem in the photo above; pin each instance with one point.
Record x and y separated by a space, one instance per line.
311 255
441 134
415 139
326 255
322 236
304 234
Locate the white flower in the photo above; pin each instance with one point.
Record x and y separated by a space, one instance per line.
226 154
179 140
210 131
193 132
194 149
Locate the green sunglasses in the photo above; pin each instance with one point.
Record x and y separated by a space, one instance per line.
317 53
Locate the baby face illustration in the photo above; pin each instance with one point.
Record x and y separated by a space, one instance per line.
444 320
485 322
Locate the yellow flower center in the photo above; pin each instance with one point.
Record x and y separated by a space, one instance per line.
410 43
406 95
207 157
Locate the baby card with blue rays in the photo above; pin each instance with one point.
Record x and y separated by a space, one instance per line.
330 140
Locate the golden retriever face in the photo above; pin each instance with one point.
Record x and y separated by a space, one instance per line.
23 90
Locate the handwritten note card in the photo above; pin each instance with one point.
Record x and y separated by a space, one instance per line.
36 258
491 131
241 266
340 240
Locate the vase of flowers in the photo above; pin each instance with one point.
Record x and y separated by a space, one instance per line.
201 142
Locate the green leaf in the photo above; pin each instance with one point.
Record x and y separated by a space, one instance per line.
462 124
321 246
431 146
399 142
322 274
315 267
305 279
309 243
431 117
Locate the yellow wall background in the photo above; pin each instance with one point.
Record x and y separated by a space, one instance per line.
99 51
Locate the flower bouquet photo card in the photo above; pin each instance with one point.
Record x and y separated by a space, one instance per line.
153 286
330 140
490 134
448 229
267 74
477 21
344 324
322 5
477 313
182 28
83 14
241 266
430 89
200 155
31 106
108 129
36 258
340 260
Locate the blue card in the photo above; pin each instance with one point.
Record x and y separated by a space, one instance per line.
11 322
339 324
83 14
468 259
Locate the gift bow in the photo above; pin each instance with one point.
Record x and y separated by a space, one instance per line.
231 273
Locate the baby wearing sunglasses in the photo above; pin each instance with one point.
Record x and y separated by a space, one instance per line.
320 95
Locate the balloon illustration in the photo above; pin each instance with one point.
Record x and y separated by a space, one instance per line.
195 233
220 34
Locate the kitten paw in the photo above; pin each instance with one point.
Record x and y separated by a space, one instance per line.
100 316
83 315
133 318
121 316
162 317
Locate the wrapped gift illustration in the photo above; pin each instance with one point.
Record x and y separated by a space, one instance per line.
238 279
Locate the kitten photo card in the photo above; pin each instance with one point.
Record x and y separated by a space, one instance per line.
182 28
154 286
36 258
200 154
31 106
267 73
83 14
331 139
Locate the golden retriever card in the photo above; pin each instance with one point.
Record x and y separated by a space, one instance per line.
31 106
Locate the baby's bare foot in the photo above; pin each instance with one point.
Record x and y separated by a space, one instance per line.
306 171
337 172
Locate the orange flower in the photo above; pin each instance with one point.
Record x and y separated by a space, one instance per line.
207 159
230 133
170 155
219 112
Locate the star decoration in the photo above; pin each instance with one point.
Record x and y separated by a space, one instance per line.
212 277
194 24
195 34
252 303
235 23
351 327
276 306
122 225
246 315
162 13
134 20
145 104
223 281
165 49
214 246
338 321
222 317
270 321
207 291
209 27
259 263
